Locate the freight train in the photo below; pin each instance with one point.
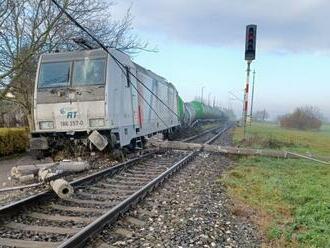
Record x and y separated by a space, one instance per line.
85 97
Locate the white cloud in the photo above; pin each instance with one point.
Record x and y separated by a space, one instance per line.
292 25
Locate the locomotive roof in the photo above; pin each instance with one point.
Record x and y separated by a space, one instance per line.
96 53
153 75
149 73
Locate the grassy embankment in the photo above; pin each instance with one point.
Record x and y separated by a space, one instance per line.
13 140
291 197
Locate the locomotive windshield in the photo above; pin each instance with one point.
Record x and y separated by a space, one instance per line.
85 73
88 72
54 74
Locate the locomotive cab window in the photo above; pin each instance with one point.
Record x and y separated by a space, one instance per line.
56 74
88 72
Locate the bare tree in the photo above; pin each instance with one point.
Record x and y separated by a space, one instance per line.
23 35
5 10
31 27
23 28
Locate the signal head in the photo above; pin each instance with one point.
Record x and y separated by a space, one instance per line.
250 43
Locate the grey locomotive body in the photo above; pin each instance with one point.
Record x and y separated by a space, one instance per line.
77 93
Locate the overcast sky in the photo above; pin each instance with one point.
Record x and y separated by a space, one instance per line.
201 43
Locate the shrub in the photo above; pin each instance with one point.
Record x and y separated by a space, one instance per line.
303 118
13 140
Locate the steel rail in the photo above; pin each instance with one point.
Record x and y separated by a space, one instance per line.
79 239
219 134
110 216
18 205
200 134
47 194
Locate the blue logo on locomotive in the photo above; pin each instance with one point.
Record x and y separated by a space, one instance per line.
69 113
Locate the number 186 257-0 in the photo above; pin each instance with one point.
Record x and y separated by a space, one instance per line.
72 123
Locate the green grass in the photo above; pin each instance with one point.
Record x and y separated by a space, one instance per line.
294 140
293 195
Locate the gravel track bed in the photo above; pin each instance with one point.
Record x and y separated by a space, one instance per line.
192 209
40 222
8 197
23 221
95 197
68 213
28 235
188 131
207 136
84 205
162 160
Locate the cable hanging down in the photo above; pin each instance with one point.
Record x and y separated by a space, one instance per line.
121 65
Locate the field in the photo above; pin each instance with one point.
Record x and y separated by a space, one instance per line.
290 198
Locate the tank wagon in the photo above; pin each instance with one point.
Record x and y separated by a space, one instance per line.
85 97
196 110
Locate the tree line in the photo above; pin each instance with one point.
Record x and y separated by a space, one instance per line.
302 118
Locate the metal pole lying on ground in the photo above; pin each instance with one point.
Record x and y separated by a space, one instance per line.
179 145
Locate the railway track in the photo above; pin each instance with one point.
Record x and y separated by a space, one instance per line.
203 136
46 221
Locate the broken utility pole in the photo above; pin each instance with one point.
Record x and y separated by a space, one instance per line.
177 145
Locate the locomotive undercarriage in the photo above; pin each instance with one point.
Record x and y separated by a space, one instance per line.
76 144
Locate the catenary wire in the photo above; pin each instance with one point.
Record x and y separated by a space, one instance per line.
121 65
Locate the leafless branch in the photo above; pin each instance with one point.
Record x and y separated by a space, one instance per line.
31 27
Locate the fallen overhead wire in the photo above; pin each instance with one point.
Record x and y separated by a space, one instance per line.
121 65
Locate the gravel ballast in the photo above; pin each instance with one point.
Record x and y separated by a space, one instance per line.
192 209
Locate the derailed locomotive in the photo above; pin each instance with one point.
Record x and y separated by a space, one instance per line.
85 97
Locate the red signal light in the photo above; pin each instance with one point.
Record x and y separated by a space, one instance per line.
250 43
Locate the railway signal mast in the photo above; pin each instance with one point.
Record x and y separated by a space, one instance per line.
250 55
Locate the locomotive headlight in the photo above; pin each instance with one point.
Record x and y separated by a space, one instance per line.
46 124
99 122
